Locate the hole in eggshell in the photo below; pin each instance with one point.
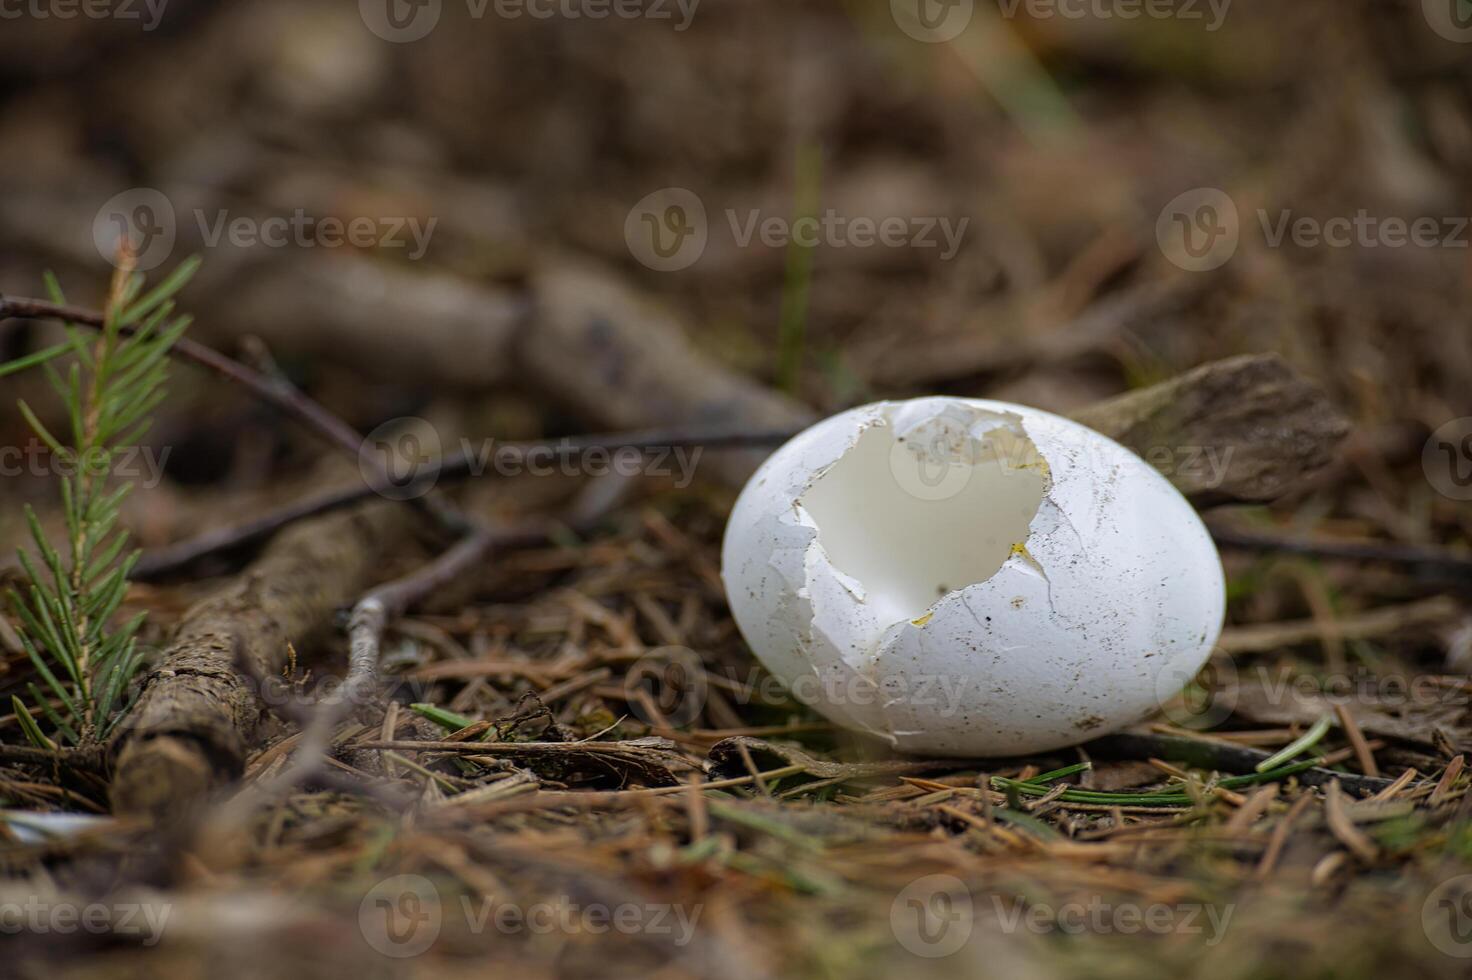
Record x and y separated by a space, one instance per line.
931 499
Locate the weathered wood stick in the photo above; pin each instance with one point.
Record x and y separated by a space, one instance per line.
189 731
1245 429
618 361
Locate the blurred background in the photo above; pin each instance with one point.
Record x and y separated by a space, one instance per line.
1075 198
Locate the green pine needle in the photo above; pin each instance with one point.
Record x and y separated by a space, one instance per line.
110 388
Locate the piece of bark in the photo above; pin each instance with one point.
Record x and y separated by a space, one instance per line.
620 362
1245 429
190 728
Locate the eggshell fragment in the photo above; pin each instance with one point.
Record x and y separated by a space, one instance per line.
971 577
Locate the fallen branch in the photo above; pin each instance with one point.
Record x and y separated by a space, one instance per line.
160 563
277 391
619 361
288 398
189 730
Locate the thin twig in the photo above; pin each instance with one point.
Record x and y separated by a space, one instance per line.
1362 751
1435 562
287 398
1343 828
275 390
162 562
1280 836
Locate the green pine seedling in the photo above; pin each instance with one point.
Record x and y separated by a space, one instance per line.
110 389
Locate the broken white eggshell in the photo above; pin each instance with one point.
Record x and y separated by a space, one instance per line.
971 577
